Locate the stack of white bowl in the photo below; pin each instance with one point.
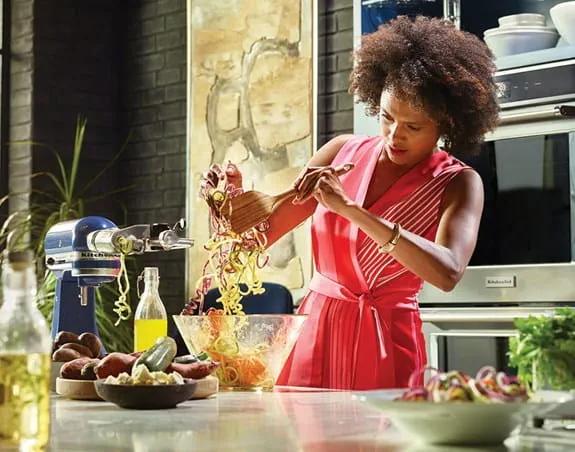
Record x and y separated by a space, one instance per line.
520 33
563 17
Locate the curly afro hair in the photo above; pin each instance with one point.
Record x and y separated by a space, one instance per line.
434 66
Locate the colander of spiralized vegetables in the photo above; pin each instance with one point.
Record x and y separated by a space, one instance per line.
455 408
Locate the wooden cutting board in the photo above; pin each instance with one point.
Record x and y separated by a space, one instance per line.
206 387
76 389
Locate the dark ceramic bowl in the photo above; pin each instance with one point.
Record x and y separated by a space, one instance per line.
146 397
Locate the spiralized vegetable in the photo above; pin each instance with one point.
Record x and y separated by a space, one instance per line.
121 306
233 259
239 365
488 386
233 263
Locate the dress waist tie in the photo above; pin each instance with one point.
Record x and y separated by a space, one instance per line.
369 332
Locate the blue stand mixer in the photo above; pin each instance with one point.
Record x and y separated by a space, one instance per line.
85 253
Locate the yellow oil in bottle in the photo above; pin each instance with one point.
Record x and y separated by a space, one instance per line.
147 331
24 401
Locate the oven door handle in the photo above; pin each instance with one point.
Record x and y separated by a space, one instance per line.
494 315
474 333
558 111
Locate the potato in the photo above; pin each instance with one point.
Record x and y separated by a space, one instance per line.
82 349
197 370
65 355
72 370
65 337
114 364
91 341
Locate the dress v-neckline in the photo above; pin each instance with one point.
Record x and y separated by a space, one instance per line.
396 191
406 179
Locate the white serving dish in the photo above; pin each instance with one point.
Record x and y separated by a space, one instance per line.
563 17
524 19
513 40
457 423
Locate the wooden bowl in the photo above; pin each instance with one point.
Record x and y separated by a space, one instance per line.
55 367
146 397
207 387
76 389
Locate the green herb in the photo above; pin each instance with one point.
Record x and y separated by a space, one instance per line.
544 350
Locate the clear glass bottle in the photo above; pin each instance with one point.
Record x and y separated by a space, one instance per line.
150 320
25 348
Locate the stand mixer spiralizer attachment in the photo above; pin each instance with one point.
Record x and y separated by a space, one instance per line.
85 253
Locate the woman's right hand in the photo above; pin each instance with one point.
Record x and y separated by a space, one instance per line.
228 174
306 182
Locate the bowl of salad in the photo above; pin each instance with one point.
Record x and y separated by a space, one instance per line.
454 408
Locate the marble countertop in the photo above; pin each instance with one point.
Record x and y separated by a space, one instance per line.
277 421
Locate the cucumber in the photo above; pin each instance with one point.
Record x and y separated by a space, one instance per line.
202 356
159 356
186 359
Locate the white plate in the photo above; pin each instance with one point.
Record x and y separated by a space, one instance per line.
457 423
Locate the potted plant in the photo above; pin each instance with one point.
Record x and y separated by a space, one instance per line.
544 350
63 200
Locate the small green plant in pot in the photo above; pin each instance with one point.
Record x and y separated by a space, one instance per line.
60 199
544 350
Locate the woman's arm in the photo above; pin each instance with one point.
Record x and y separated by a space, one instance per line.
287 215
443 262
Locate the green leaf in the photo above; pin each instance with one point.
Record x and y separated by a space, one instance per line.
78 144
60 185
548 345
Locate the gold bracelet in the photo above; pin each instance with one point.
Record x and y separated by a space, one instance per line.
389 246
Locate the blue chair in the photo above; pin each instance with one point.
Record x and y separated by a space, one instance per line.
276 299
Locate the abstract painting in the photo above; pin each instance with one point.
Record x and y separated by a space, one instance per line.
251 100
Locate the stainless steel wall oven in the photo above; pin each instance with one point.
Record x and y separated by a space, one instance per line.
524 261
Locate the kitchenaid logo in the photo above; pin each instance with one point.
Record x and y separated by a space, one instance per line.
95 255
500 281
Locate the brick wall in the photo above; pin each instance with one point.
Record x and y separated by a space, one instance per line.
155 110
76 73
335 108
21 89
62 66
123 65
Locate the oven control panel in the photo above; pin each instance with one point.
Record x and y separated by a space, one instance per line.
552 82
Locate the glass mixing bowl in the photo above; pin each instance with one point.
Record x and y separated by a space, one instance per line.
251 349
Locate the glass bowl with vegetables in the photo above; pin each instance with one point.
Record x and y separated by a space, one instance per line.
251 349
455 408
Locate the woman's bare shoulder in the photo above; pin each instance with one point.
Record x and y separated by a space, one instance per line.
466 188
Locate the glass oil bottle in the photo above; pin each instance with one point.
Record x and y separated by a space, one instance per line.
25 348
150 319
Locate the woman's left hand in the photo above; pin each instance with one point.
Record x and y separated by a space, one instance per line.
324 185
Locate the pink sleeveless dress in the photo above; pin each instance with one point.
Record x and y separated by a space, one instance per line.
363 329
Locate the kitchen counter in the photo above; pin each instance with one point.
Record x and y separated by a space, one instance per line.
278 421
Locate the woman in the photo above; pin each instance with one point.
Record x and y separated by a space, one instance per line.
408 212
